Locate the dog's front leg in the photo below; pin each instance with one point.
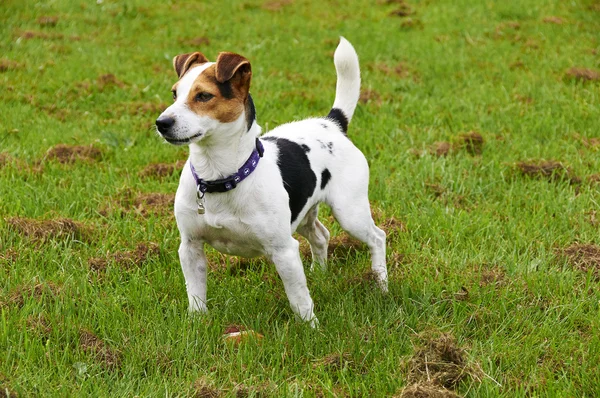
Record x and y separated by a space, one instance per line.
194 264
289 267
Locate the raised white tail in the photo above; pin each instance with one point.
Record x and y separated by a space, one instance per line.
348 84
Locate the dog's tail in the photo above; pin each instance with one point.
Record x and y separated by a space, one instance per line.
348 84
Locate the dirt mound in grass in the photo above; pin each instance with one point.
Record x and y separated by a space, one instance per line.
426 390
204 389
45 230
341 245
584 257
547 169
153 203
334 362
582 74
48 20
93 345
108 80
437 367
472 142
67 154
20 294
276 5
162 170
5 158
7 64
126 259
553 20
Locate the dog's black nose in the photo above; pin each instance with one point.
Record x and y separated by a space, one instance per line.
164 123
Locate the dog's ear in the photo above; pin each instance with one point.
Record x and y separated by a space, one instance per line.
183 62
234 66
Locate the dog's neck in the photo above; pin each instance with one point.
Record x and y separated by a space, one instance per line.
224 152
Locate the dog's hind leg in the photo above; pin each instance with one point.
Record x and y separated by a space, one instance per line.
354 216
317 235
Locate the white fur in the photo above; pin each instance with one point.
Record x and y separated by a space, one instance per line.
254 218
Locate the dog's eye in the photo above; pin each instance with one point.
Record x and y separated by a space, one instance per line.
174 94
204 97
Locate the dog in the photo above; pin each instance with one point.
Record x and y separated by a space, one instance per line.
245 194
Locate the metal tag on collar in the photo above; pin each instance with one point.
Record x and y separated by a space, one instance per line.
200 201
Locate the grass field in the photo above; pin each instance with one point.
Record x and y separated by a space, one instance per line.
480 120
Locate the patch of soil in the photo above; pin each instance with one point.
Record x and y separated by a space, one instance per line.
145 108
410 23
9 256
584 257
583 74
7 64
401 70
594 178
6 392
29 34
93 345
426 389
334 362
45 230
551 170
392 226
368 95
154 203
5 158
196 41
439 362
39 325
204 389
276 5
462 294
162 170
440 149
47 20
126 259
341 245
403 10
68 154
108 80
492 276
593 142
472 142
20 294
553 20
436 189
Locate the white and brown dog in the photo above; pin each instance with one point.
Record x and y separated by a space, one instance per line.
245 195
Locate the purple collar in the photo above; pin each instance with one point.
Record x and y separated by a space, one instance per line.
229 183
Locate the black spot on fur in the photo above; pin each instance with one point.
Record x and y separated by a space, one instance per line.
298 178
224 88
250 111
324 125
337 116
306 148
325 176
330 148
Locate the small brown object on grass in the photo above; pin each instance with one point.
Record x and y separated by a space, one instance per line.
18 296
583 74
439 361
7 64
440 149
204 389
126 259
47 21
585 257
68 154
276 5
425 389
162 170
548 169
553 20
472 142
44 230
93 345
108 80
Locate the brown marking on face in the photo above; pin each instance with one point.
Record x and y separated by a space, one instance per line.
230 96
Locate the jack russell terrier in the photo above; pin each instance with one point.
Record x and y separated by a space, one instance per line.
245 194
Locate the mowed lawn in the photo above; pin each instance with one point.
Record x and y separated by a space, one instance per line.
481 123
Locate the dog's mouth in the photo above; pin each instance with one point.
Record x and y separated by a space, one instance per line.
182 141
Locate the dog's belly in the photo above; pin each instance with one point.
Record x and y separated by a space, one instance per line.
232 241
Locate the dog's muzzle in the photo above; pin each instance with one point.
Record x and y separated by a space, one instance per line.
164 124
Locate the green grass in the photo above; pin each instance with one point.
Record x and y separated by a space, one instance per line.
530 318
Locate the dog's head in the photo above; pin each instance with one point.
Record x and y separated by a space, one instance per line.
210 98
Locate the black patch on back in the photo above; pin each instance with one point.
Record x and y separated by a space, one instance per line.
337 116
298 178
250 111
325 177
